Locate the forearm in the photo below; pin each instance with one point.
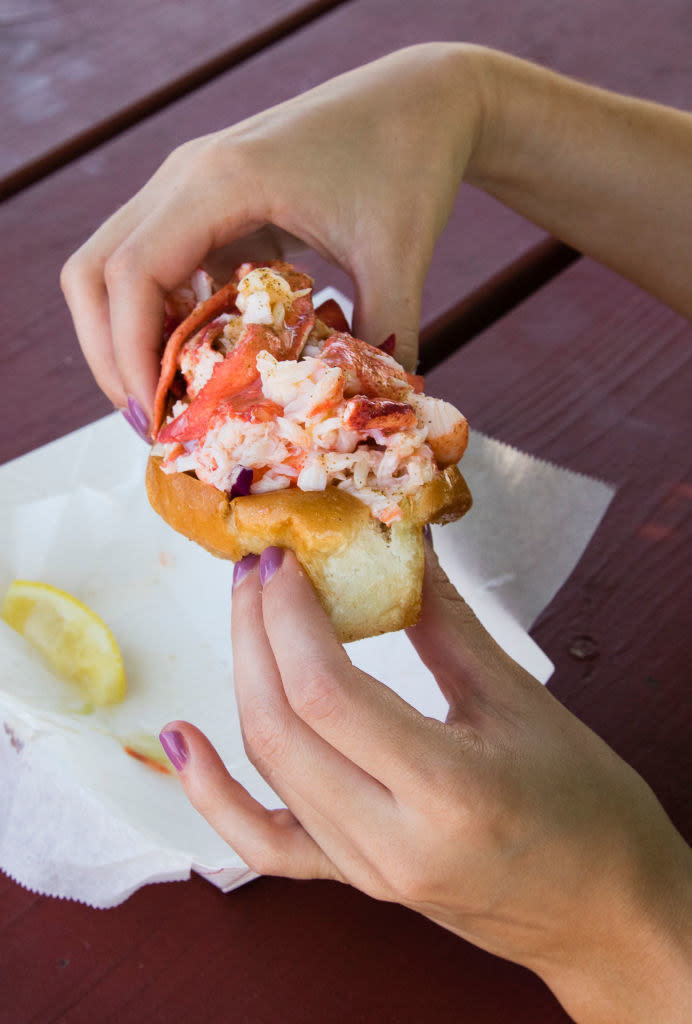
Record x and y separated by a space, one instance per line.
627 956
608 174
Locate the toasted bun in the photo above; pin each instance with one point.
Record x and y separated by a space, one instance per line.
369 576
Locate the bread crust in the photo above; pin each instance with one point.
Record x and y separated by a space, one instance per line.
369 576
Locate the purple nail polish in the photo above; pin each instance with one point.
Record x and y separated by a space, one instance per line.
243 567
174 744
137 418
270 560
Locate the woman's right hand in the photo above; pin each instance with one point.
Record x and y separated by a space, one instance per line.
364 169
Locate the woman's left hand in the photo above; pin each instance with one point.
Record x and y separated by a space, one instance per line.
511 824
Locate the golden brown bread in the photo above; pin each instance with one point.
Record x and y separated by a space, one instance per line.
368 576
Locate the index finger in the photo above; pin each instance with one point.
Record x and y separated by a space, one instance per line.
360 717
84 287
116 283
158 255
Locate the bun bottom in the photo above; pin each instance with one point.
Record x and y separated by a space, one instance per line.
369 577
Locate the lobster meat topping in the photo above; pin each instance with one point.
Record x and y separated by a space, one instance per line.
255 380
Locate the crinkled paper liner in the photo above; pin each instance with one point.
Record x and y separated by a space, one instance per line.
79 818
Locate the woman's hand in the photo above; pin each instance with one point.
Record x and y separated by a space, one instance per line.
511 824
364 169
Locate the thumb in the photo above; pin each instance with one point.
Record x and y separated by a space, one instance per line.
388 301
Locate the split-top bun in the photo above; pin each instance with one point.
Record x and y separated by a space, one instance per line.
290 432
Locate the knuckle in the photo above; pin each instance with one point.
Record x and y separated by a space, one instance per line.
204 156
74 270
192 165
68 274
268 852
316 697
119 266
180 158
264 733
409 878
212 153
263 860
231 156
181 153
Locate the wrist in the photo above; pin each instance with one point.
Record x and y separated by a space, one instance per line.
448 89
628 958
468 77
516 101
500 102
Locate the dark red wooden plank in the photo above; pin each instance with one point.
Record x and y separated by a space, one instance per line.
595 375
74 74
53 392
273 951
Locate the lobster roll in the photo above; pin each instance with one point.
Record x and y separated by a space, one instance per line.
273 425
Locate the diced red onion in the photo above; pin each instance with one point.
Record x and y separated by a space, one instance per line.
242 483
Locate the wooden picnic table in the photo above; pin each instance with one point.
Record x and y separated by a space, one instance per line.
538 346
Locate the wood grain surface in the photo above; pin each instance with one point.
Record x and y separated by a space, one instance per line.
76 73
273 952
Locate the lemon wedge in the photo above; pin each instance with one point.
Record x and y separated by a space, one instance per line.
78 645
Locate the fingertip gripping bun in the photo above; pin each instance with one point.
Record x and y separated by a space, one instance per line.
369 576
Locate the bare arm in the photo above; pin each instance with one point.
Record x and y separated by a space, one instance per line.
608 174
365 169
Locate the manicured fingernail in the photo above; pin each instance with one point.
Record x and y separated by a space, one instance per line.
243 567
174 744
270 560
137 418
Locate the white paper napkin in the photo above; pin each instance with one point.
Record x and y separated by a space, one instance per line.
79 817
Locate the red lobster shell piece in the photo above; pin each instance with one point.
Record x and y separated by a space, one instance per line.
230 378
239 368
369 371
366 414
220 302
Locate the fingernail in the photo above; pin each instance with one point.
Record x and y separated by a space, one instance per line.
427 534
243 567
174 744
137 418
270 560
